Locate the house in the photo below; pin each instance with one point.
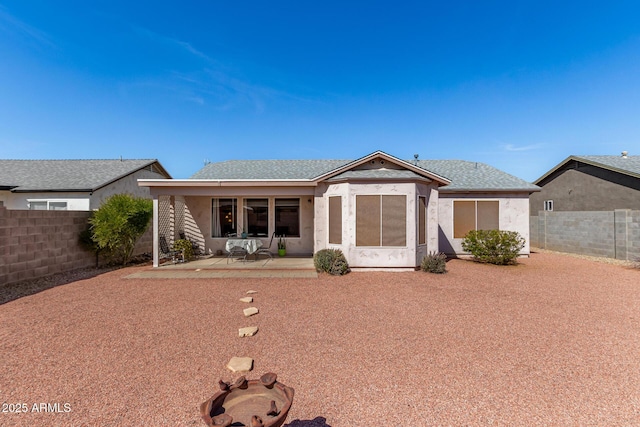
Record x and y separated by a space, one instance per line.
589 183
75 185
381 211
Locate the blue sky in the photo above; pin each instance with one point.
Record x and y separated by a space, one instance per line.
517 85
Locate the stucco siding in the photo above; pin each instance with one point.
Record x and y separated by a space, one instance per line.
513 216
587 189
125 185
199 213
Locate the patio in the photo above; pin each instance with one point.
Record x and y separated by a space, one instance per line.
221 266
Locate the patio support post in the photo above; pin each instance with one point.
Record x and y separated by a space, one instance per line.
155 224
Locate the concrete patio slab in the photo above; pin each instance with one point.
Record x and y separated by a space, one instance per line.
218 267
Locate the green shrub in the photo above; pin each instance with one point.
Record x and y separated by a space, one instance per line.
493 246
434 262
118 224
331 261
185 246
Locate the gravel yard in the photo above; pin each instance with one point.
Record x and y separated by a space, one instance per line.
554 340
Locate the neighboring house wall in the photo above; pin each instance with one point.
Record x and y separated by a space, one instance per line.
125 185
83 201
588 188
513 216
612 234
75 201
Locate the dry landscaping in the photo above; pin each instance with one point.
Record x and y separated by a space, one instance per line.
552 341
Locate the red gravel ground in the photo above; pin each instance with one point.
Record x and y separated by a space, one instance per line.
552 341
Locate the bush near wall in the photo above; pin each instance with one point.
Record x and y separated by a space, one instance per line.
494 246
331 261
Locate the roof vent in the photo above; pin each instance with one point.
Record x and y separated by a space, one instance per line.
624 154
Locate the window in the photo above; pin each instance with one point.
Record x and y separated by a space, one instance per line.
474 215
223 217
57 206
288 217
38 206
43 205
381 220
335 220
548 205
422 220
256 217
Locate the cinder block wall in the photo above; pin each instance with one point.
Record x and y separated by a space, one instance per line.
35 244
612 234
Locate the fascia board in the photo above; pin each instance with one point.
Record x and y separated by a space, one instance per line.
225 183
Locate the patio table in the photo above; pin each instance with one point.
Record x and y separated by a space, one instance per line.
250 245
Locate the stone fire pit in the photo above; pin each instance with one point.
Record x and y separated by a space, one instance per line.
255 403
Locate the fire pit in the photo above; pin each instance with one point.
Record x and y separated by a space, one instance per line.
255 403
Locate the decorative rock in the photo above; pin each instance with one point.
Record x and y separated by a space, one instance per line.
246 299
249 331
250 311
251 292
240 364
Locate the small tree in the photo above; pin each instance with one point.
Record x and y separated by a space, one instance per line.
119 223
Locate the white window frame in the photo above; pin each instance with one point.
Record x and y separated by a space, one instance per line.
49 204
548 205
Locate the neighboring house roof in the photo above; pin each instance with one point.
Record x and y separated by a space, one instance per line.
626 165
457 175
69 175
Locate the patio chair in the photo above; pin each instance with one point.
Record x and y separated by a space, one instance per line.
237 251
266 250
169 253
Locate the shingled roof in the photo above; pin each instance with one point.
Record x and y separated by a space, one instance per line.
464 175
626 165
69 175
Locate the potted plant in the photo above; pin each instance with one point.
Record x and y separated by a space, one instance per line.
282 246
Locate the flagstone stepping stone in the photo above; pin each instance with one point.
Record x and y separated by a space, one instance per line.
251 292
240 364
249 331
246 299
250 311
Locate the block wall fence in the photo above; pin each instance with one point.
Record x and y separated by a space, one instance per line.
611 234
36 244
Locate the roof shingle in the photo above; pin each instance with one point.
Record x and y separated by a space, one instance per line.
65 175
464 175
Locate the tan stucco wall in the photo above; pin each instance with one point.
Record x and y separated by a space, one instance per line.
125 185
199 209
513 216
408 256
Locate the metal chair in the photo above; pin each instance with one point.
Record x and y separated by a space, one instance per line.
266 250
169 253
237 251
